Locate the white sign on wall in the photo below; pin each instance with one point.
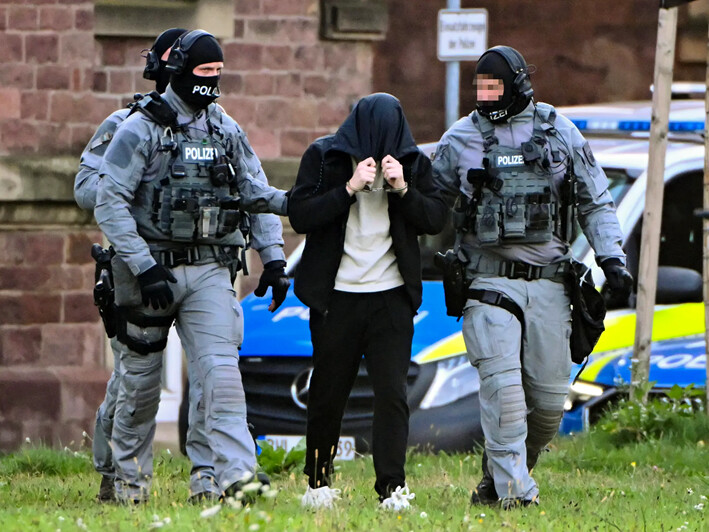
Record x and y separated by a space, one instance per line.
462 34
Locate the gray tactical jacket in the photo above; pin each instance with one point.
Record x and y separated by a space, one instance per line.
461 148
131 163
86 180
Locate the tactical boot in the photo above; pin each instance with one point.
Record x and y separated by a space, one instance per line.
248 488
485 492
107 491
203 497
512 504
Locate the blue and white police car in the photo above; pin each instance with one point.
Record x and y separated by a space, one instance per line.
443 387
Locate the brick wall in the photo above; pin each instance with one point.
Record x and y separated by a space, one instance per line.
281 82
51 345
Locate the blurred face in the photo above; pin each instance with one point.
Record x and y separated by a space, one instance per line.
488 89
208 69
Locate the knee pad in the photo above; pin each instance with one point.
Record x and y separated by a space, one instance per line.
141 381
223 384
513 411
542 426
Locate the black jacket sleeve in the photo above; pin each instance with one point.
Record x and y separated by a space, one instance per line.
423 205
312 205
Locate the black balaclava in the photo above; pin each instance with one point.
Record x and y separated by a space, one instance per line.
199 91
163 42
512 102
376 127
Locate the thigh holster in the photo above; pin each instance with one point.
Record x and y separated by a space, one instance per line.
124 316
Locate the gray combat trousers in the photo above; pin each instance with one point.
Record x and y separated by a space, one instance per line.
516 391
202 479
209 323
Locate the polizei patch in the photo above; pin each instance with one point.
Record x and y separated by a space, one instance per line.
509 160
198 153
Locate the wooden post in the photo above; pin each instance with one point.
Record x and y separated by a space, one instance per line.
705 226
652 216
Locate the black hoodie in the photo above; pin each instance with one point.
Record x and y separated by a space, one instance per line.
319 203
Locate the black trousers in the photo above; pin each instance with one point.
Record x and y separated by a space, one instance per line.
378 325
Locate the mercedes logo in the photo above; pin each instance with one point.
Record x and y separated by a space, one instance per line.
299 388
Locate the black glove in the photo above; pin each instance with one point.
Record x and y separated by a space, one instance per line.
154 288
618 277
274 275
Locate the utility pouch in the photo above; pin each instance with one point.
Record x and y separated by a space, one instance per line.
487 223
588 310
103 289
513 222
454 285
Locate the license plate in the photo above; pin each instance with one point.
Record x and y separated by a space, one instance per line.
345 447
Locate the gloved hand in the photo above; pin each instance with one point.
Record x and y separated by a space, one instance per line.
154 288
274 275
618 277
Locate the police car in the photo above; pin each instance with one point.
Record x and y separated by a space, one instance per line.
618 134
443 387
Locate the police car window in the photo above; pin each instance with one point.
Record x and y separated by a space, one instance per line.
681 231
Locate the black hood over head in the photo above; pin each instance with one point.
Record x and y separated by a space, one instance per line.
376 127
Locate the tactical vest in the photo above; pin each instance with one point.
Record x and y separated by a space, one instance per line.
513 200
197 199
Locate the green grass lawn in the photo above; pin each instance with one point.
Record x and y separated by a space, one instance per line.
586 484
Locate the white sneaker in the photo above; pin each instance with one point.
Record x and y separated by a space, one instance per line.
398 500
316 498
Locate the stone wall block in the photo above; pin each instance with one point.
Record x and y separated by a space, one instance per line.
19 345
23 17
259 84
71 344
53 77
55 18
289 85
31 278
23 247
29 394
79 307
17 75
316 85
294 143
242 57
11 45
11 107
247 7
84 19
81 393
289 7
35 105
29 308
277 57
77 47
42 48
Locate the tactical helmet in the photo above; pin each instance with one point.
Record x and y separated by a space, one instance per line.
507 64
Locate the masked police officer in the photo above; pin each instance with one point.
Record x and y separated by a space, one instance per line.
520 175
85 186
174 181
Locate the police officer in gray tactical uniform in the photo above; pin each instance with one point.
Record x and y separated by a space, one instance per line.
85 187
174 181
519 175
